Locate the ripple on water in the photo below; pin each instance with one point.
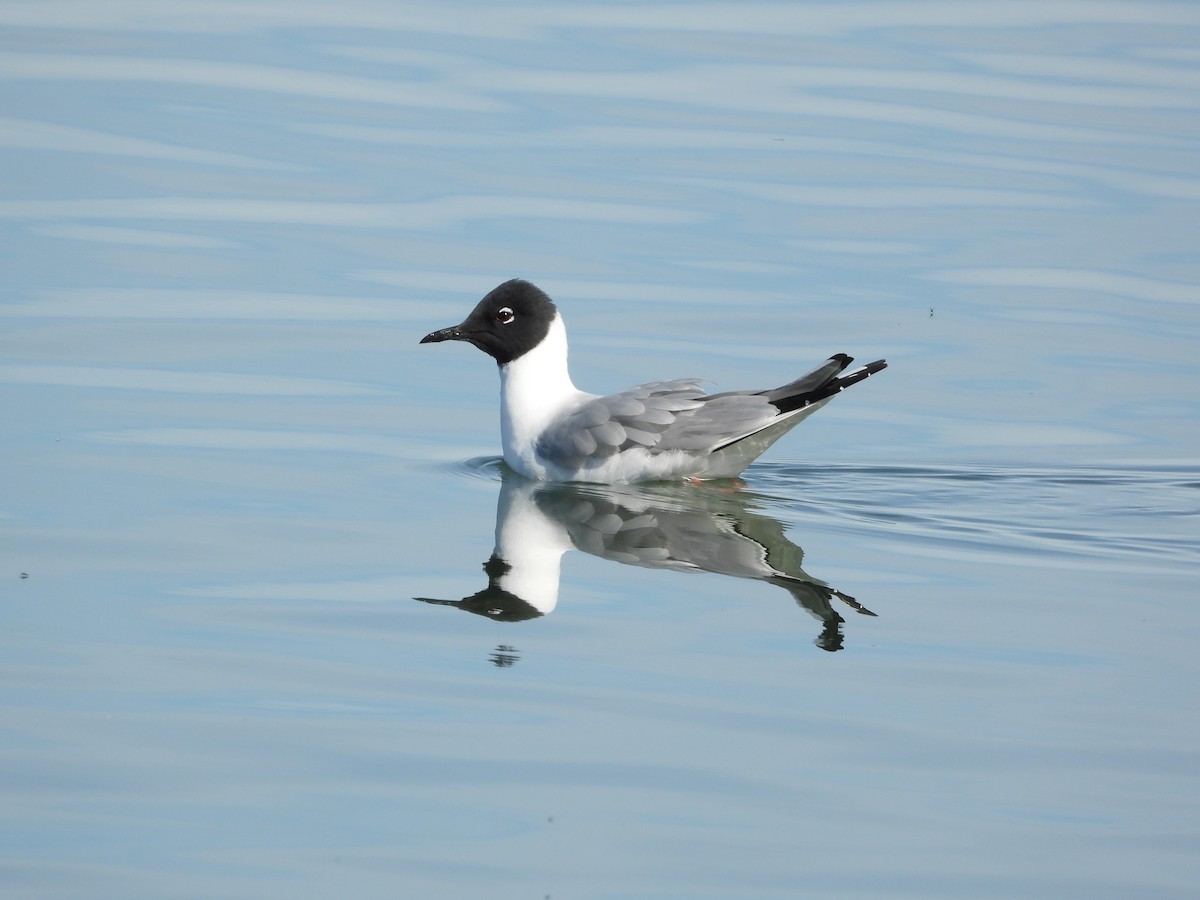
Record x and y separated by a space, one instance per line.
1124 516
481 468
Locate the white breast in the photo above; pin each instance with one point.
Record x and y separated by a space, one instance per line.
534 390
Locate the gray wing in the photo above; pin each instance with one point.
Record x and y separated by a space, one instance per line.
726 418
678 415
657 416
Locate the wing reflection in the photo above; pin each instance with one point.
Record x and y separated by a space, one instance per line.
685 528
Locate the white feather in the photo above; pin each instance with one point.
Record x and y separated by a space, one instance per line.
535 390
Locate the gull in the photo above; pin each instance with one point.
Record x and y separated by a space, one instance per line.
657 431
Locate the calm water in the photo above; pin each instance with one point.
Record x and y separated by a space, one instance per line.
229 471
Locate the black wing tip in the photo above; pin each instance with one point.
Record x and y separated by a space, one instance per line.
843 360
859 374
833 385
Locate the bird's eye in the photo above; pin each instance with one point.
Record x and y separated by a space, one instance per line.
504 315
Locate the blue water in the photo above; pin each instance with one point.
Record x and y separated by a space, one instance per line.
229 470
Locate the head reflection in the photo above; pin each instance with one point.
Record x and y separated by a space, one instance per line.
686 528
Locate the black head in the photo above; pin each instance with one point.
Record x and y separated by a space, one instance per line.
509 322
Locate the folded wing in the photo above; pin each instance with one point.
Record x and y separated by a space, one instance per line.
678 415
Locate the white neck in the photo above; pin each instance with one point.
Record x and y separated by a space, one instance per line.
533 390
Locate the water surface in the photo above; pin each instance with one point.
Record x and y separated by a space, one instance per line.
230 472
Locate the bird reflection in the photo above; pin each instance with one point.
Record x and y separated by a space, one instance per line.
704 527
